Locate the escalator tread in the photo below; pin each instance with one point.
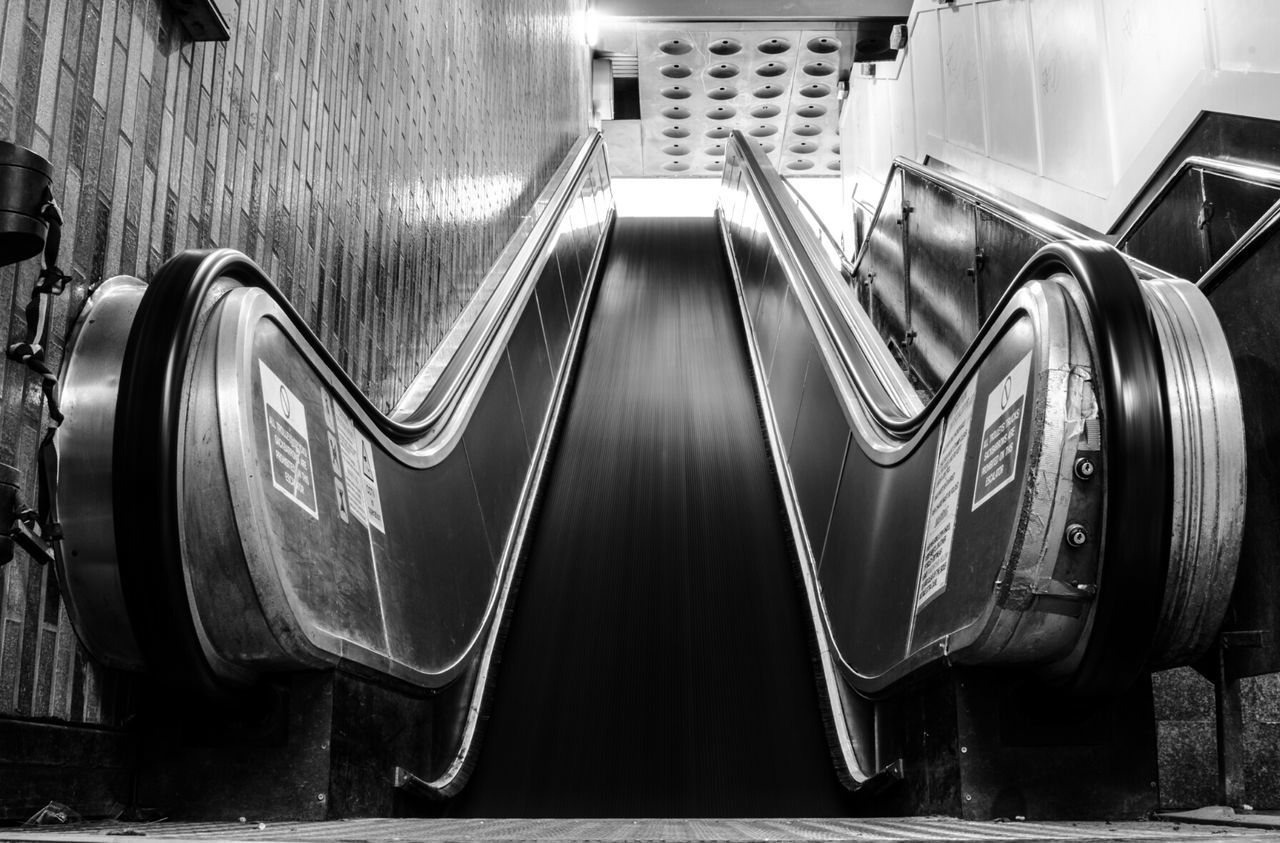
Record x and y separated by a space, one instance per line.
657 662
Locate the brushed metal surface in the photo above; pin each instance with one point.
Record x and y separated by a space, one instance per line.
554 311
532 371
1205 211
86 558
269 574
880 628
791 355
498 453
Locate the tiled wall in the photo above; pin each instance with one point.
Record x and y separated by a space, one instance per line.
373 156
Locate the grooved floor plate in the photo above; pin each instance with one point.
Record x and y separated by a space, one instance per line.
407 830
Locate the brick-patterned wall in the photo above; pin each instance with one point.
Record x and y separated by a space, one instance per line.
372 156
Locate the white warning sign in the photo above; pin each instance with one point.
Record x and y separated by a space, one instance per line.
1001 433
349 446
944 497
290 450
369 475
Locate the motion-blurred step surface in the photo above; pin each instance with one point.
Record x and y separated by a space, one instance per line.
658 659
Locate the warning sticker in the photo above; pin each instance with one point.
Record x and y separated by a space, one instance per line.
372 500
1001 433
287 441
944 497
335 456
349 445
356 482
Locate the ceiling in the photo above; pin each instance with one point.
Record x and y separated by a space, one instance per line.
697 71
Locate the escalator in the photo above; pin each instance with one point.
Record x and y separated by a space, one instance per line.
657 661
669 528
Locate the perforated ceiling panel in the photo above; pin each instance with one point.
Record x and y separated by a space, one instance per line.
778 87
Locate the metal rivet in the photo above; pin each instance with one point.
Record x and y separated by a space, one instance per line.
964 749
1085 468
968 797
1077 535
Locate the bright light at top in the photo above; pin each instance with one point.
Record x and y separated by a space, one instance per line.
591 26
650 197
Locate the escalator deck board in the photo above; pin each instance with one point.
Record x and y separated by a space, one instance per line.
657 662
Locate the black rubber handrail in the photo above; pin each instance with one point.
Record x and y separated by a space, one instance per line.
147 439
1136 429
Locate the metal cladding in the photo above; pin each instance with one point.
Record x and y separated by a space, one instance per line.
284 509
988 544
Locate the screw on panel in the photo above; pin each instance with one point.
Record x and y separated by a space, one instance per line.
1077 535
1085 468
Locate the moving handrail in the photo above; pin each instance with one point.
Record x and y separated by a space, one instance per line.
548 211
873 377
1149 339
143 574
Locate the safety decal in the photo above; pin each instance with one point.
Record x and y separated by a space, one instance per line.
290 450
369 476
1001 433
335 456
355 476
944 498
349 446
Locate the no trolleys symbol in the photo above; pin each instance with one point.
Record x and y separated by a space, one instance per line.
288 445
1001 433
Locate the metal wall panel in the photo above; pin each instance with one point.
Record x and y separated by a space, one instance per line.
1233 206
554 310
790 359
852 564
447 588
1005 250
531 367
817 453
944 312
882 266
498 454
769 313
1171 236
